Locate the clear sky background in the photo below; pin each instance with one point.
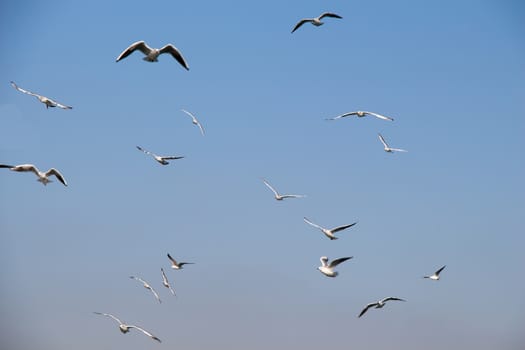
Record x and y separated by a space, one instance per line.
451 74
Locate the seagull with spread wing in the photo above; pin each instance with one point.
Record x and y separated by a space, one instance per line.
361 114
329 232
435 275
165 282
378 305
161 159
147 286
280 197
388 148
42 177
194 120
152 54
315 21
327 269
177 265
45 100
124 328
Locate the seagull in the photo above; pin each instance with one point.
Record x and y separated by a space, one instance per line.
124 328
45 100
387 148
280 197
361 114
152 54
175 265
328 269
378 305
161 159
315 21
435 276
147 286
42 177
329 232
165 282
194 120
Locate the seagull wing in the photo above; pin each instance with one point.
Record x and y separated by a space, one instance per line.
155 294
384 117
439 271
342 115
366 308
341 228
139 45
13 84
172 157
329 14
338 261
292 196
176 54
392 298
143 150
26 167
382 139
300 23
59 105
145 332
59 176
270 187
138 279
312 224
109 315
172 260
185 263
398 150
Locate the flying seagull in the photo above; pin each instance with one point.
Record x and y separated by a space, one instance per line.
152 54
194 120
165 281
161 159
378 305
124 328
315 21
42 177
147 286
387 148
45 100
177 265
435 276
329 232
328 269
280 197
361 114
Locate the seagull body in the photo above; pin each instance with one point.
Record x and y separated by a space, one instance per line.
388 148
378 305
280 197
177 265
161 159
45 100
194 120
147 286
315 21
435 276
361 114
42 177
165 282
153 54
329 232
124 328
328 269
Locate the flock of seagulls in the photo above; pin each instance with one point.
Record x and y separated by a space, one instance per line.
327 267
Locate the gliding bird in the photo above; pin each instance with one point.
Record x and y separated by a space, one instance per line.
361 114
315 21
124 328
328 269
280 197
378 305
147 286
177 265
165 282
435 276
42 177
161 159
194 120
152 54
45 100
387 148
329 232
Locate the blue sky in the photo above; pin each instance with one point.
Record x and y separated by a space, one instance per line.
451 74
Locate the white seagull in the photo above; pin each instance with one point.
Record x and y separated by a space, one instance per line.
435 276
165 281
161 159
361 114
177 265
45 100
280 197
42 177
152 54
387 148
329 232
124 328
328 269
147 286
194 120
315 21
378 305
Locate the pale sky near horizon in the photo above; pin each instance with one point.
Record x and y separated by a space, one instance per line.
450 73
